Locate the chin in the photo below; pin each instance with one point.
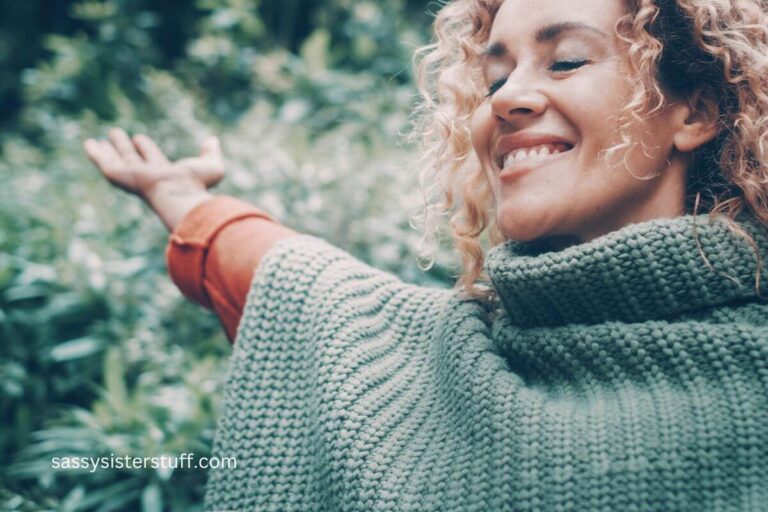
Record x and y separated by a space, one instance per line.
524 227
521 228
528 216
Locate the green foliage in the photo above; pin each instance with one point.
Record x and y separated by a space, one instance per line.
83 68
160 415
99 353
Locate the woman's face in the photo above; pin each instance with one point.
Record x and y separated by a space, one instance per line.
558 82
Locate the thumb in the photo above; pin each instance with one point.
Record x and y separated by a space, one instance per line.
211 148
209 166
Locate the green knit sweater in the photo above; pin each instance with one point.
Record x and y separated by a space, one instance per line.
620 374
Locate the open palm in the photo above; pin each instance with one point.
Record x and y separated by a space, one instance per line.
137 165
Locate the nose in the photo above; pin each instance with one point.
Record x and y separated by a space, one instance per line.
518 98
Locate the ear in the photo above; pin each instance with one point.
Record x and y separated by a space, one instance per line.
697 122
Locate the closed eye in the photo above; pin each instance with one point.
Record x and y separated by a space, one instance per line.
566 65
560 66
495 86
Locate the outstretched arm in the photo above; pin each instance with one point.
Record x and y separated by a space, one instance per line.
216 242
138 166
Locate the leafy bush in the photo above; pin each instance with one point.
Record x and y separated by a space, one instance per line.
99 353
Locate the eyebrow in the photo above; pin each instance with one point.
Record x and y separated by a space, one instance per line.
543 35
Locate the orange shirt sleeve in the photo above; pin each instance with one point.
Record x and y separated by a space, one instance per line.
214 251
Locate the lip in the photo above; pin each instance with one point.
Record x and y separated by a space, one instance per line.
513 141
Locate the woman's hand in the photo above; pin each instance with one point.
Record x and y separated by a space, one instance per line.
171 189
138 166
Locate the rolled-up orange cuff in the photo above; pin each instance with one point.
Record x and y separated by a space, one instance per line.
188 245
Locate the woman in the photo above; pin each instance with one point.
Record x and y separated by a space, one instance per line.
610 352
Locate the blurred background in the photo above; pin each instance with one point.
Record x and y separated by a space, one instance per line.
99 353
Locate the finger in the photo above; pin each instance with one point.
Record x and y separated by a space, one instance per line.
91 148
210 151
116 169
148 149
114 164
208 170
209 166
211 147
95 154
101 153
124 146
204 167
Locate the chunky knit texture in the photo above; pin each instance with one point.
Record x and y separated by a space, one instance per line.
621 374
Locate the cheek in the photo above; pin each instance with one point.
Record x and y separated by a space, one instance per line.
596 104
599 125
481 129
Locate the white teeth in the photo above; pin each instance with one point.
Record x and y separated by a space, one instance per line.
536 153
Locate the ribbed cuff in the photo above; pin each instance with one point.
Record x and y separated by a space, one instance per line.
188 245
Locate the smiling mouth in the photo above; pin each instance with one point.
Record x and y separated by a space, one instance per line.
532 154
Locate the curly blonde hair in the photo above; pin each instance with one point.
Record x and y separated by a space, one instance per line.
676 47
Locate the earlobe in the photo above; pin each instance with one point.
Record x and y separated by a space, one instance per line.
698 123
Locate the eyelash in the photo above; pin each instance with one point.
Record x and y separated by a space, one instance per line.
559 66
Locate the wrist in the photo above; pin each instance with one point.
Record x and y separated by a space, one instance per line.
172 190
172 200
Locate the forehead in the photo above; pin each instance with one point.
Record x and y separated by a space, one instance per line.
521 19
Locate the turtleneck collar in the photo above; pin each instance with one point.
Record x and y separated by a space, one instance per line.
646 271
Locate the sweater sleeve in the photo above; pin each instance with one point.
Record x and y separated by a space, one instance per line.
319 327
305 281
212 254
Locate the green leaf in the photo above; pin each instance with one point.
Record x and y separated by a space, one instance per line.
114 496
116 392
152 499
26 293
73 499
75 349
315 49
